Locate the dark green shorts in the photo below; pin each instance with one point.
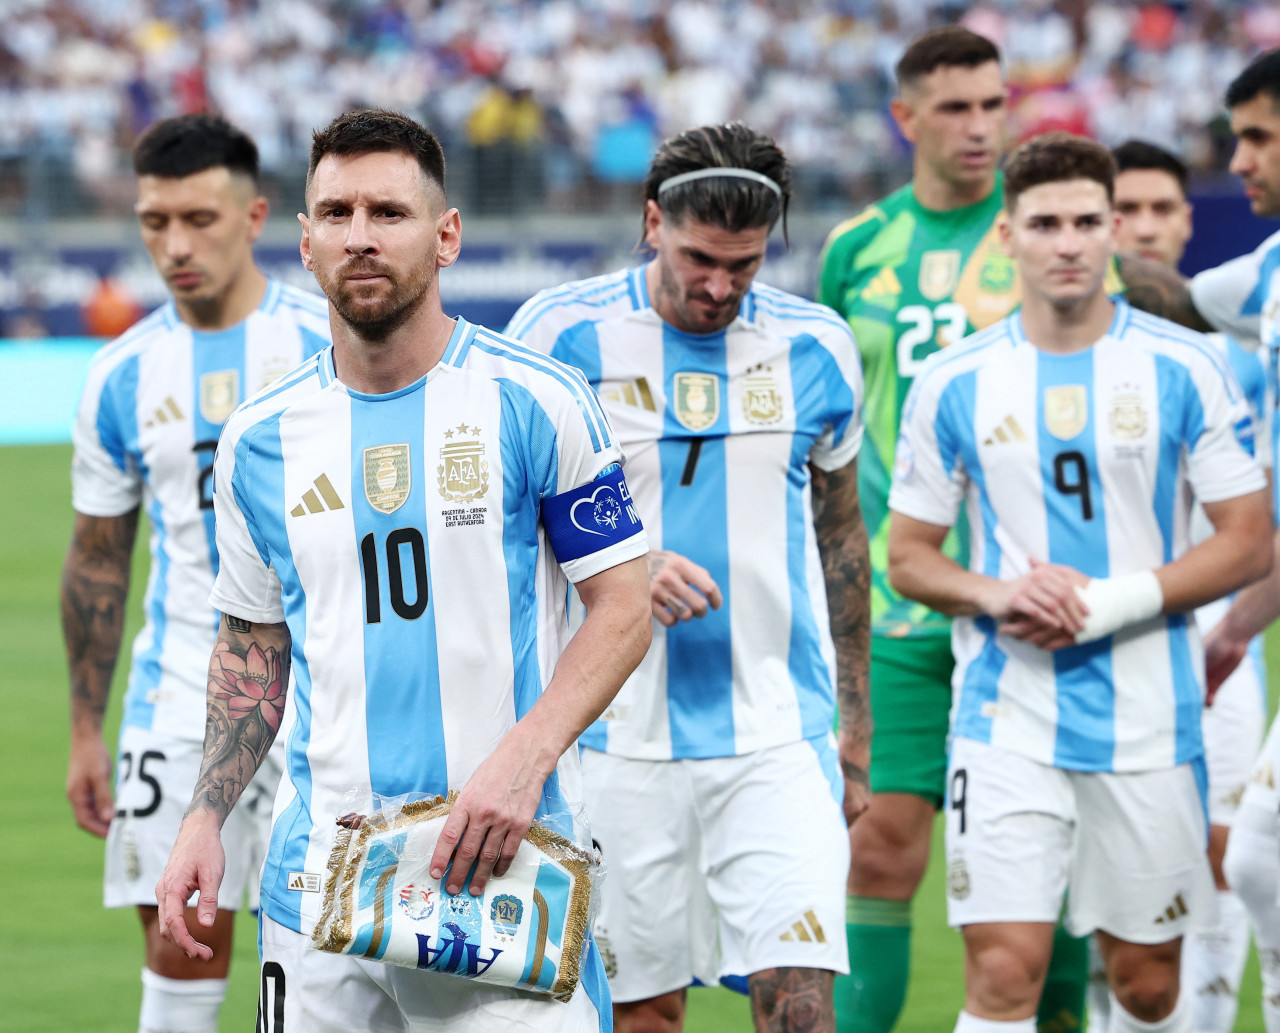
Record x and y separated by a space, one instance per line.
910 710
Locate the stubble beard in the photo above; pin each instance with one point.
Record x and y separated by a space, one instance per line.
377 321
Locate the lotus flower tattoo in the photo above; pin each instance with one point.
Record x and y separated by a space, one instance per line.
250 685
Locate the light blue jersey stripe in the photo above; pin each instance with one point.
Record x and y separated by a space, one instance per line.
402 676
695 522
259 475
579 346
1075 513
222 351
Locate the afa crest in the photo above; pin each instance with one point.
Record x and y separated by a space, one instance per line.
506 912
387 477
697 400
1127 419
463 473
1066 410
219 394
939 273
761 399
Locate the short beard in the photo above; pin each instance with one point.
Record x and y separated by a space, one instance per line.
376 324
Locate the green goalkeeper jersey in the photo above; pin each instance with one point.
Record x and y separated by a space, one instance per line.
910 281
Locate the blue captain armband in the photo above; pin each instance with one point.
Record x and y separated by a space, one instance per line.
591 517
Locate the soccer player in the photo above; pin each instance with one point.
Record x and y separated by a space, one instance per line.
913 273
153 406
383 519
712 783
1073 433
1155 223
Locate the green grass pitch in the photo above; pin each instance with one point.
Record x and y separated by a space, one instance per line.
67 963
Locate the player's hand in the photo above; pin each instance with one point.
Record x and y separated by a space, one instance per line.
679 589
1041 607
855 763
492 814
89 783
1222 655
196 862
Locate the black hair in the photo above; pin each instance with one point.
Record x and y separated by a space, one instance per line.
730 202
948 47
1053 158
374 130
1261 76
183 146
1138 154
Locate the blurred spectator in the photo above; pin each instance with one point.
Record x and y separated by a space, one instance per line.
110 309
550 95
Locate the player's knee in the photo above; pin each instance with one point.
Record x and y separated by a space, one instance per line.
1004 978
1148 992
664 1014
885 860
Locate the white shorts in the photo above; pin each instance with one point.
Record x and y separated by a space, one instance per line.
303 990
155 777
1260 805
1129 848
1232 735
719 867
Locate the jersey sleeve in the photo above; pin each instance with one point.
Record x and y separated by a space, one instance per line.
1230 296
839 443
586 507
836 260
1252 373
1219 431
246 585
105 477
929 479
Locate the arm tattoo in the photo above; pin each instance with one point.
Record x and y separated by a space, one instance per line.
248 676
846 564
95 585
792 1000
1162 291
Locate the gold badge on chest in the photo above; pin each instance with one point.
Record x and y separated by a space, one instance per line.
387 477
697 400
219 394
761 399
939 273
1066 410
463 473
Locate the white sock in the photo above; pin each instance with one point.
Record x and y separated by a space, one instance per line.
1252 866
972 1024
1177 1021
1097 993
1212 964
180 1005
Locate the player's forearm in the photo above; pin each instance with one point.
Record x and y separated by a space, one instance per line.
920 571
248 678
1160 290
95 586
1237 554
603 652
846 565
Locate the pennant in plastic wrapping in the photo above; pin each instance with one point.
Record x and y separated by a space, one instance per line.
528 930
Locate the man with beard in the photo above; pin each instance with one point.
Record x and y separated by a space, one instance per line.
153 406
713 785
421 612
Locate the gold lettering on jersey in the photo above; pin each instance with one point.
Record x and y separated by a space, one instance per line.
463 473
761 399
697 400
219 394
939 273
1127 419
1066 410
386 477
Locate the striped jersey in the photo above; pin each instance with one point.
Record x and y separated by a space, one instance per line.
153 405
403 538
719 431
1250 371
1089 460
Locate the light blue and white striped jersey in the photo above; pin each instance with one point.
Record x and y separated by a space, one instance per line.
719 431
403 537
1088 460
1251 372
149 418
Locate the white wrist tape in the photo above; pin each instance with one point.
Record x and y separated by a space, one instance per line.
1117 602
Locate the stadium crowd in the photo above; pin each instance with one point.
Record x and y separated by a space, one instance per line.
545 102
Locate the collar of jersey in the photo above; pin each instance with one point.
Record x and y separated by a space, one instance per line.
452 355
1119 320
269 299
